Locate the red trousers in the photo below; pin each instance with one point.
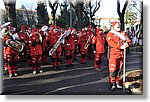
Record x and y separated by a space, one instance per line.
44 55
36 61
11 62
115 69
98 60
69 56
83 56
56 58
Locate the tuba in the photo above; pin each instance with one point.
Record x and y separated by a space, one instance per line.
14 44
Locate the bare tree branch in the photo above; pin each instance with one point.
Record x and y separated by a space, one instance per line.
118 7
125 6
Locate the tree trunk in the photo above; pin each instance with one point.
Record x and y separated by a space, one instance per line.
11 13
121 14
122 21
54 17
79 14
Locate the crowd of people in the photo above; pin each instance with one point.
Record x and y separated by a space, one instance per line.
40 43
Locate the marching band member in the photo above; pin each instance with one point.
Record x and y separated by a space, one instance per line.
52 39
25 39
44 34
10 55
76 51
117 42
90 34
99 41
69 47
36 50
83 38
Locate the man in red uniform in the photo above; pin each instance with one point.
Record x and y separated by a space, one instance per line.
117 42
69 47
44 33
10 55
99 41
36 51
52 39
83 40
90 34
25 39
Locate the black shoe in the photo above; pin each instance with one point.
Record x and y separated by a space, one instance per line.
55 68
58 68
67 65
45 63
83 63
113 87
75 59
70 64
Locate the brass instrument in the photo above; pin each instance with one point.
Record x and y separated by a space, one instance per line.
14 44
87 43
40 38
59 41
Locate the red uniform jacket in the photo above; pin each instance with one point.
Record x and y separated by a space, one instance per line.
37 49
83 39
52 38
100 42
114 43
70 42
44 44
25 38
7 49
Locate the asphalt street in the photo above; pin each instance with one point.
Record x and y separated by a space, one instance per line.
79 79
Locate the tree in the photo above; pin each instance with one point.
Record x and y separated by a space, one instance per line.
78 9
63 19
42 14
53 7
130 17
10 6
121 14
26 11
90 8
20 19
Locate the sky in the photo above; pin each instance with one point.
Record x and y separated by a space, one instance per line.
108 8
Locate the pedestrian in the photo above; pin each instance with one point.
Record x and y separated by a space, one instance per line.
117 42
99 42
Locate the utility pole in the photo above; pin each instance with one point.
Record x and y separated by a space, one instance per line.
70 15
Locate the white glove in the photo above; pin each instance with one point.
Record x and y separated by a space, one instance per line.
124 46
94 52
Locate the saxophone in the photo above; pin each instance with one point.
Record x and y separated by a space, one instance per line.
87 43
